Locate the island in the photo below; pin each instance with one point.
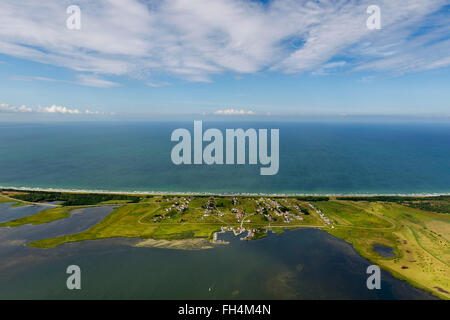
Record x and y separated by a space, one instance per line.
408 236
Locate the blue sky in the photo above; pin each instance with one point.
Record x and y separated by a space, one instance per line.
171 58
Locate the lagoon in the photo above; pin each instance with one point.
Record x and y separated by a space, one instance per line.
298 264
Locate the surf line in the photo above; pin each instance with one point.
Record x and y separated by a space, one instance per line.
213 153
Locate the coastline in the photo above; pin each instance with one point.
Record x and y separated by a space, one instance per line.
187 193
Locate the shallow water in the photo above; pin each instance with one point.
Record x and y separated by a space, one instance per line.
8 213
13 252
384 251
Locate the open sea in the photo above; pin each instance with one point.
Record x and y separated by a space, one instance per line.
315 158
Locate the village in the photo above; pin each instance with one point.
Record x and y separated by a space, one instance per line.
250 217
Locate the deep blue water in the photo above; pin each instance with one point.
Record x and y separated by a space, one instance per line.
314 158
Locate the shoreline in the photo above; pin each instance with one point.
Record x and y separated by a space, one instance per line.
162 193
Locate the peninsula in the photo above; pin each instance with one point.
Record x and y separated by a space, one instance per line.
409 236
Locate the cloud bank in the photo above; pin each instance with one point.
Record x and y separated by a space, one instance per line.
53 109
4 107
197 39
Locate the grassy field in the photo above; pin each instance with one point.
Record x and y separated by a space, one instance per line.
44 216
420 238
5 200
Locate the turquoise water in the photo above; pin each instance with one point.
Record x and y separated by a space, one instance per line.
314 158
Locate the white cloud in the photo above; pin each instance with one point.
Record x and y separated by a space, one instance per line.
87 111
54 109
234 112
196 39
82 80
94 81
35 78
58 109
4 107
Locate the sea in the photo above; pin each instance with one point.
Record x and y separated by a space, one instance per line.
314 158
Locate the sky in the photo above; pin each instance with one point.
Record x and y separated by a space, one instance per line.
136 59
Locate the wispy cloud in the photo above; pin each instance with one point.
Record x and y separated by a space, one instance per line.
95 81
196 39
157 84
329 68
35 78
82 80
229 112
